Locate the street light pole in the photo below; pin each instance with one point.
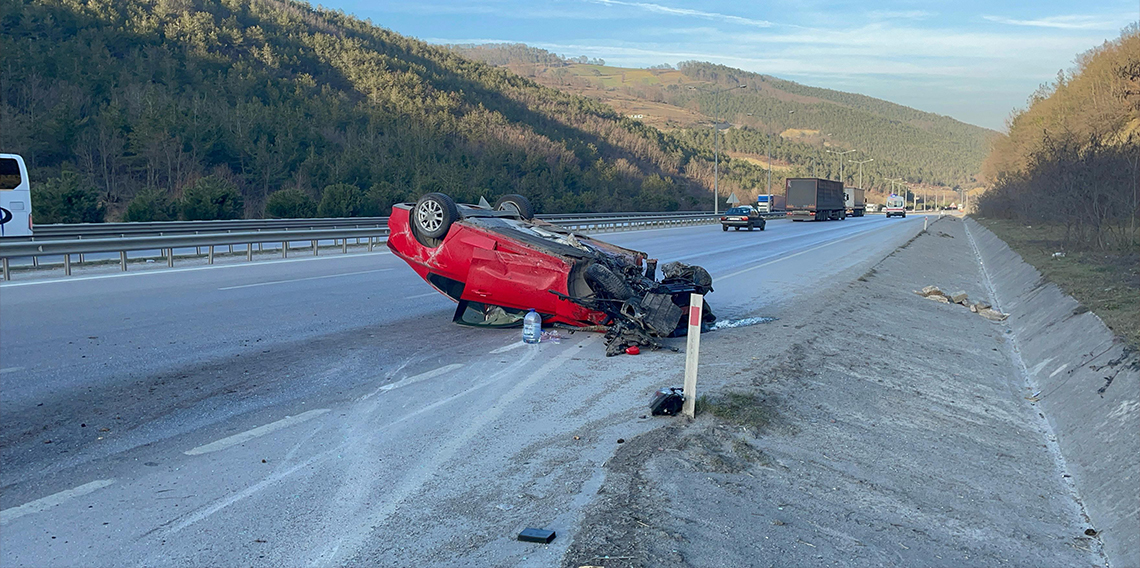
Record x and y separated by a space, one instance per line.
861 162
840 154
716 146
768 188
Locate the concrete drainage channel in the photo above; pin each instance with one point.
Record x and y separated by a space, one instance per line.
1088 384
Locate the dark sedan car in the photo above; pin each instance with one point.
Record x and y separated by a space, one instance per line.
498 262
742 217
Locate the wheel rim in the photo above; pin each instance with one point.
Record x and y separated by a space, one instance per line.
511 207
430 215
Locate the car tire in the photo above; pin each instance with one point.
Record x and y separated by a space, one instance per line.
724 228
433 215
750 226
516 203
602 279
763 224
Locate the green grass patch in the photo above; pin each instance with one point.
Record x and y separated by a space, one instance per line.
1107 282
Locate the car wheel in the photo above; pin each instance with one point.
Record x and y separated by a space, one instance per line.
904 215
763 224
736 228
602 279
433 215
724 228
750 226
516 203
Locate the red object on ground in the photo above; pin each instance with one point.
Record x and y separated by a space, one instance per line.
633 350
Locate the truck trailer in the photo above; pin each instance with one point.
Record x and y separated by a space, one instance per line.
769 202
814 199
853 199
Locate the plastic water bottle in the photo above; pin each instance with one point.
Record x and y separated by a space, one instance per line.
532 327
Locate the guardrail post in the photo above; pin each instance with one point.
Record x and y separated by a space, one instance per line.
231 249
67 264
344 246
123 260
7 275
170 257
210 256
284 249
314 248
249 252
370 240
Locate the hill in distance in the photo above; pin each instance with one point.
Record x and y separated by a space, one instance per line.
918 146
143 96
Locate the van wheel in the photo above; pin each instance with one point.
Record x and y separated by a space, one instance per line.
433 215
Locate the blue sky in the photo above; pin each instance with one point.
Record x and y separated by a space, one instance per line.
973 60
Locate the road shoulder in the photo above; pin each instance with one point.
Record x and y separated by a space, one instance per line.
871 426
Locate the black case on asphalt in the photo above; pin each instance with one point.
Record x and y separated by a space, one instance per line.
667 402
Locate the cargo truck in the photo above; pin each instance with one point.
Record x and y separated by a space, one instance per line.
854 202
770 202
814 199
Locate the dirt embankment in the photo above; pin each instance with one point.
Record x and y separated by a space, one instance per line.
868 426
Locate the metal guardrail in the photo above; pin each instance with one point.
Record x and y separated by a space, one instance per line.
161 228
115 237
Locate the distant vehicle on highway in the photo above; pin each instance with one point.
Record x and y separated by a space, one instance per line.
814 199
499 262
744 216
896 205
854 202
769 203
872 207
15 197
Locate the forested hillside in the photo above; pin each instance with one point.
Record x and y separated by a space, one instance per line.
1073 157
918 146
214 108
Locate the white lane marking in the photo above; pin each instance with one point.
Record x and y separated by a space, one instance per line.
11 370
303 279
786 257
506 348
351 539
9 515
256 432
781 237
1059 369
422 295
411 380
193 269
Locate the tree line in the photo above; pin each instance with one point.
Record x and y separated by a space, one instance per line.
135 102
1073 156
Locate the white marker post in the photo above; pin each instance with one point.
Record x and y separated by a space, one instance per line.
692 354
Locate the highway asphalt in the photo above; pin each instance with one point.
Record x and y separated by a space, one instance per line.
325 410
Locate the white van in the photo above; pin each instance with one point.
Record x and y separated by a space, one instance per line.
15 197
896 205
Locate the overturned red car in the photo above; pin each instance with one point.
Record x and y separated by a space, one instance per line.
498 262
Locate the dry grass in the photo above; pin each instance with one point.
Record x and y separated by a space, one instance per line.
749 410
1106 282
